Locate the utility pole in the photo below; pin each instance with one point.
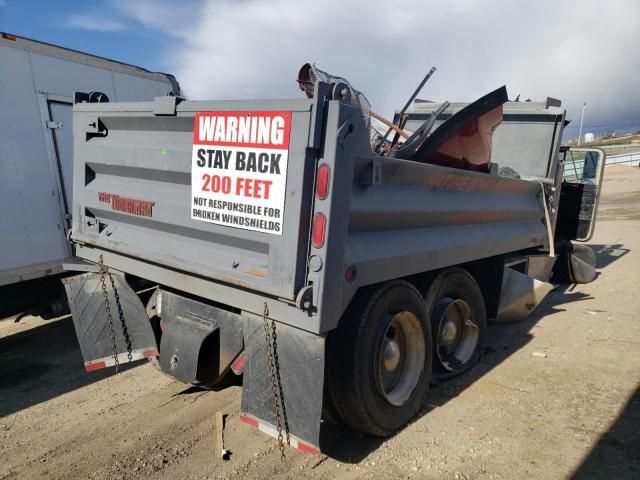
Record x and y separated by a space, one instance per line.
581 120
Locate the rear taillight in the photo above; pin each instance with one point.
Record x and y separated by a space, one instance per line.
322 181
317 233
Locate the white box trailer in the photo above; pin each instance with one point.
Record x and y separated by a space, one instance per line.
37 85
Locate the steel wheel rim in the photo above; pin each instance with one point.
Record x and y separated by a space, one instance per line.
457 334
400 358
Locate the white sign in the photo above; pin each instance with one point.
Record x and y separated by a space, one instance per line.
239 169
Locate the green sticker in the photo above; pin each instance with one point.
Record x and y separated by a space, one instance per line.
163 151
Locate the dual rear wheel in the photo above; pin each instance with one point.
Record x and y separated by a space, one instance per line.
390 342
459 320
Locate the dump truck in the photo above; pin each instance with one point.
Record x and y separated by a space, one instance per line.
38 81
337 272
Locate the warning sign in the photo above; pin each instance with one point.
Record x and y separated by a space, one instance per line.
239 169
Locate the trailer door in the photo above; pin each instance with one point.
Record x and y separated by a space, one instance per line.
62 128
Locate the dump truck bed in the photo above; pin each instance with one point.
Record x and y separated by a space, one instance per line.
138 205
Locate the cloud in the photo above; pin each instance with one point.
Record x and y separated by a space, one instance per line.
159 15
577 51
170 18
3 3
96 23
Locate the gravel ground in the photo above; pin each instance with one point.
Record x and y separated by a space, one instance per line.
572 409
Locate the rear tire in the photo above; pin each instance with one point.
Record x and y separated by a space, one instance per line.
458 315
379 359
329 412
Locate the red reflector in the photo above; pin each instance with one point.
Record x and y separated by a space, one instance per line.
317 234
322 181
8 36
350 274
238 364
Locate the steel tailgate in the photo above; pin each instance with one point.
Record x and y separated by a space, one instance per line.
132 194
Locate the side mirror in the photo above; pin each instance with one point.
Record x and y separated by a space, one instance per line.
583 169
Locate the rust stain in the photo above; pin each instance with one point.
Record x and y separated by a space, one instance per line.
256 272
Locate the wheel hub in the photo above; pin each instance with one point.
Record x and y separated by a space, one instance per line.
400 358
391 356
458 334
449 332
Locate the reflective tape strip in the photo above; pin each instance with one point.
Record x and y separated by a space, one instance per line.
270 430
249 421
122 358
95 365
151 352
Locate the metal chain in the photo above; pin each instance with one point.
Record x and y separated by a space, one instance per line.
107 307
104 271
125 331
276 362
272 378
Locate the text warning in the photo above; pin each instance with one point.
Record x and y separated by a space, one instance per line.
239 169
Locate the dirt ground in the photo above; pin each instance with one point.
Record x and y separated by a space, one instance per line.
572 409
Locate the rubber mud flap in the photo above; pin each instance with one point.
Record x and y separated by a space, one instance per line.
87 304
300 357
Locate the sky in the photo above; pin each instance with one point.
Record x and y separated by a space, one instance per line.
579 51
